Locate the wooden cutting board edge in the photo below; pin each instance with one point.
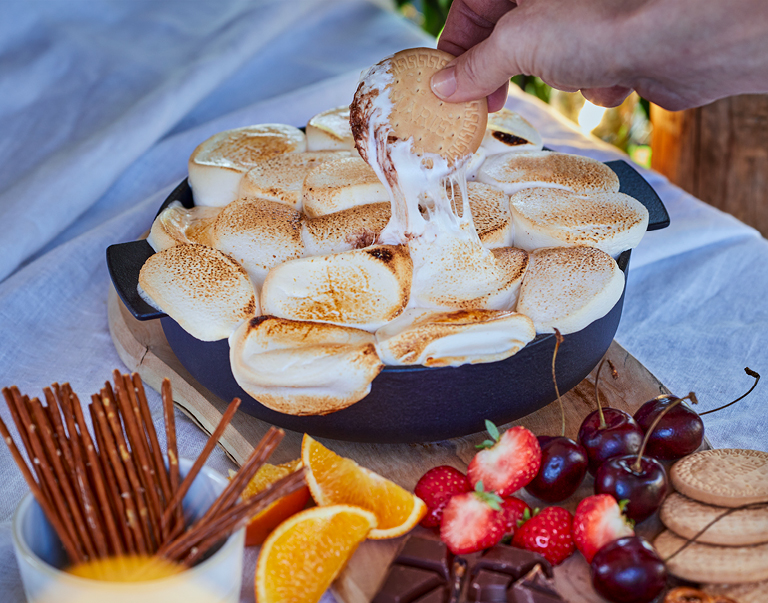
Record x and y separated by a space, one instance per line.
143 348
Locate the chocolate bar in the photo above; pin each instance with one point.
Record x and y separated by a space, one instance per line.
425 571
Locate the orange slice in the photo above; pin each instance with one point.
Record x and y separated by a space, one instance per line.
263 523
334 480
304 554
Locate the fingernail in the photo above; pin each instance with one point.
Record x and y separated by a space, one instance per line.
444 82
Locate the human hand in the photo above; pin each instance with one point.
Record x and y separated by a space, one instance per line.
675 53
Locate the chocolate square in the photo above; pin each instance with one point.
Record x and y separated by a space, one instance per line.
488 587
405 584
427 554
511 561
535 587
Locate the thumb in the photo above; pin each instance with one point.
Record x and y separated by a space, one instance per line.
477 73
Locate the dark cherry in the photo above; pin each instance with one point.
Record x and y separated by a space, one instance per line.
628 570
620 436
563 467
678 434
644 486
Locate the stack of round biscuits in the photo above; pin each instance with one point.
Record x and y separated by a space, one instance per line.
720 515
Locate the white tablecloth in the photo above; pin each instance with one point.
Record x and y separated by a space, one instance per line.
101 104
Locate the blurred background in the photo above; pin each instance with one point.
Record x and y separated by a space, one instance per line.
717 152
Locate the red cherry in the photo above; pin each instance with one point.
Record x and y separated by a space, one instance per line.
618 436
628 570
563 467
678 434
644 488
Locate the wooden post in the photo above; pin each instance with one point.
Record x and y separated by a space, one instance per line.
718 153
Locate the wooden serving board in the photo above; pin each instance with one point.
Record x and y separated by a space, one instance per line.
142 346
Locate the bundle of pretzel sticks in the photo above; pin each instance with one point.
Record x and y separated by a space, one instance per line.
113 495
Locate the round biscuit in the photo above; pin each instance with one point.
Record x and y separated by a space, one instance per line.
726 477
687 517
713 563
451 130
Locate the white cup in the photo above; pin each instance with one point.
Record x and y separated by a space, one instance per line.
41 558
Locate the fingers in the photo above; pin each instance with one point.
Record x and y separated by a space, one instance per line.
479 72
497 99
606 97
470 22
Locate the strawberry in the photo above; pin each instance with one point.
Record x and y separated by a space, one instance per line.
508 462
513 509
598 521
547 533
472 521
436 487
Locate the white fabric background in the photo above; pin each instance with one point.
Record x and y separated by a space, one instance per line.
101 104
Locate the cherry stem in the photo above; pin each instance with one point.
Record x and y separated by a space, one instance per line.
615 375
559 340
637 466
746 507
749 372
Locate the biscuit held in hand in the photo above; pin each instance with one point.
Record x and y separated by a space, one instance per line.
301 367
205 291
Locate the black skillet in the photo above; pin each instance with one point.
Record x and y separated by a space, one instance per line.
406 404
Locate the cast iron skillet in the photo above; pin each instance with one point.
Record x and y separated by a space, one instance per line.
406 404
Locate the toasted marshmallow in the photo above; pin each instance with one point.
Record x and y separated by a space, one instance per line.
217 164
281 177
330 131
569 287
205 291
490 214
435 338
352 228
340 184
457 273
303 368
508 131
365 288
475 163
513 172
545 217
177 224
259 234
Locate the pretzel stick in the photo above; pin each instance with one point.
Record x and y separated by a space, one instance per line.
42 500
170 439
38 457
111 410
25 441
85 519
236 517
114 491
98 479
131 514
67 402
149 426
235 486
61 435
199 462
140 451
